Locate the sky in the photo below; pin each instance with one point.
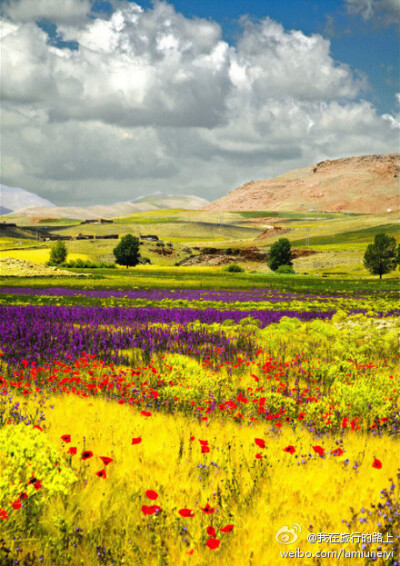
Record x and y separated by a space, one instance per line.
107 101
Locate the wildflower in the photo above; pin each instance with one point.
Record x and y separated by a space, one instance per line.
211 531
150 494
66 438
337 452
208 509
150 509
106 460
227 529
205 449
86 454
260 442
377 464
319 450
137 440
72 450
3 514
101 473
16 504
259 456
213 543
290 449
145 413
186 513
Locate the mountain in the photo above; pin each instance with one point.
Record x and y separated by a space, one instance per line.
152 202
364 184
12 198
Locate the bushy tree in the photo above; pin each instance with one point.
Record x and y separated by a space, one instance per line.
380 257
398 255
127 251
279 254
58 253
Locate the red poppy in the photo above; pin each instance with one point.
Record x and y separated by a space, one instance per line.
377 464
208 509
137 440
106 460
205 449
290 449
211 531
192 438
23 495
338 452
344 422
101 474
66 438
16 504
186 513
145 413
3 514
150 509
37 485
260 442
72 450
150 494
38 427
86 454
259 456
213 543
319 450
203 442
226 529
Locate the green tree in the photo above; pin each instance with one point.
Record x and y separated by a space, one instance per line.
279 254
380 257
127 251
58 253
398 255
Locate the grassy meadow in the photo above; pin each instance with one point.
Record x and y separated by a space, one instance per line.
167 415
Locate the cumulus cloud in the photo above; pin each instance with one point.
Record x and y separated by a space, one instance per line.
66 11
153 101
387 11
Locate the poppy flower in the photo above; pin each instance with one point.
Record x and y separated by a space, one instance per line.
186 513
23 496
150 494
208 509
72 450
145 413
101 474
190 552
37 485
66 438
319 450
150 509
260 442
205 449
377 464
3 514
337 452
38 427
213 543
137 440
227 529
86 454
16 504
211 531
290 449
106 460
259 456
192 438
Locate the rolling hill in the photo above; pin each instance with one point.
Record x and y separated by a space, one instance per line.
364 184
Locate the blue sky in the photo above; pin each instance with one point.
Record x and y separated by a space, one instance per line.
109 101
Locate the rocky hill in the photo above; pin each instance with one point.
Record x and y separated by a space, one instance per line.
364 184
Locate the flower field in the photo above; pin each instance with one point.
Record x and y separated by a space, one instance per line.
197 427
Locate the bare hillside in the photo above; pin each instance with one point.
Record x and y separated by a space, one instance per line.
364 184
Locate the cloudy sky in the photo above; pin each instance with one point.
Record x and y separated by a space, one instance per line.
106 101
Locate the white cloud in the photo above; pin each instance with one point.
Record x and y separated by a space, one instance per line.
387 11
153 101
59 11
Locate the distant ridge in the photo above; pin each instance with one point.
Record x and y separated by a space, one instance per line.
142 204
365 184
13 198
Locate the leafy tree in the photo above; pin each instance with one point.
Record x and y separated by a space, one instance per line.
398 255
279 254
58 252
380 257
127 251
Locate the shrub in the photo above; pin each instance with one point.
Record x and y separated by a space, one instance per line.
234 268
58 253
285 269
279 254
